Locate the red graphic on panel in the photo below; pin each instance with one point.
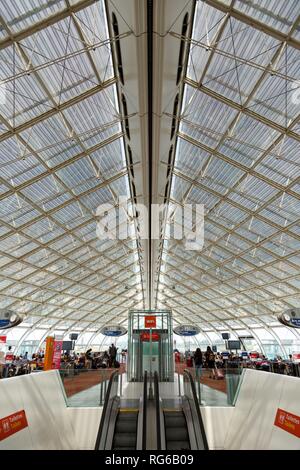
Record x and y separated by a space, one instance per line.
288 422
12 424
146 337
150 321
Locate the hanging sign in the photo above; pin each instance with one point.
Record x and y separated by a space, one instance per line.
9 319
186 330
12 424
150 321
113 330
290 317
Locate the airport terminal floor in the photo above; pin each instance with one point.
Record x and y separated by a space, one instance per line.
149 228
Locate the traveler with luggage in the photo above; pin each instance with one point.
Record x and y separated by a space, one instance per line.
210 362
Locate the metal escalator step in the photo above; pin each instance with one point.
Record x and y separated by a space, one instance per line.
128 416
126 425
178 445
128 410
172 410
177 434
175 421
124 440
124 448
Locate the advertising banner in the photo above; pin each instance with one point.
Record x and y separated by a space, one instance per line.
48 361
12 424
57 354
288 422
150 321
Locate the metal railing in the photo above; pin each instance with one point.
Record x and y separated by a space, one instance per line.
157 410
145 400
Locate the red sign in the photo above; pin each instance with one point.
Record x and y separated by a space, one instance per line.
296 357
150 321
12 424
288 422
2 339
57 354
254 355
9 357
146 336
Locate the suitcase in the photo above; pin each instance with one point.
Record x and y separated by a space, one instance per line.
189 362
219 374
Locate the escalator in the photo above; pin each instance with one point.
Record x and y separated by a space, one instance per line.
176 432
179 420
125 435
123 421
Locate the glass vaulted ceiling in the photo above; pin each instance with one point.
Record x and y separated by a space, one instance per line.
62 155
237 152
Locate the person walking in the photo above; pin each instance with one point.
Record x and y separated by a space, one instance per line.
210 361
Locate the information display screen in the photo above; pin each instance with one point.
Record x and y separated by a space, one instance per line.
232 344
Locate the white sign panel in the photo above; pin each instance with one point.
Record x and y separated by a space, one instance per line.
113 330
9 319
186 330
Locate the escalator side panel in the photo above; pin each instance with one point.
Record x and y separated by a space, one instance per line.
190 424
193 426
113 416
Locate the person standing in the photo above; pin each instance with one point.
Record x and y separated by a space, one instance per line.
198 361
112 355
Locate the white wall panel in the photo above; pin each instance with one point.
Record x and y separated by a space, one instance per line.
86 423
42 398
216 420
252 423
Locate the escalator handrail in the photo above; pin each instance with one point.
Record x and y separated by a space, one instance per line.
105 408
157 407
195 399
145 397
